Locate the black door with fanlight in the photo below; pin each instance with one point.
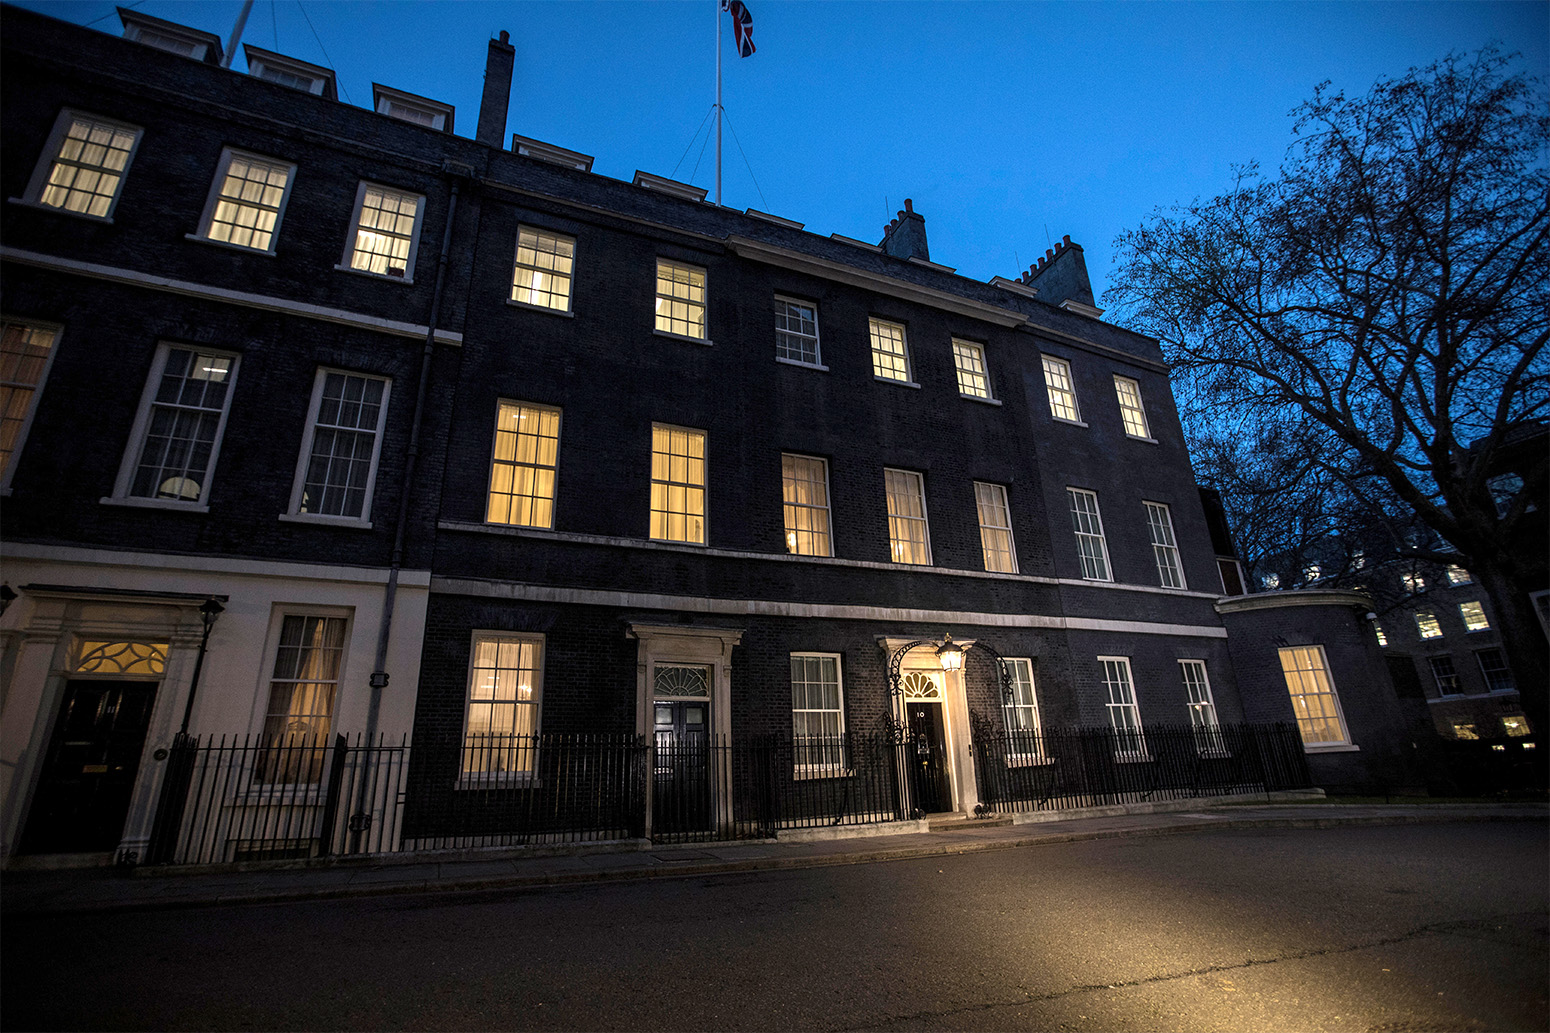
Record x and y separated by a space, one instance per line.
681 786
89 770
928 757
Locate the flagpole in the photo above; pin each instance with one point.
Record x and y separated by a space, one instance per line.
718 103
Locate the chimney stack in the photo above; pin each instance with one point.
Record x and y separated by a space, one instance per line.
1062 280
497 91
905 236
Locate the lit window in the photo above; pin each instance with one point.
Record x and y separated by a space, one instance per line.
84 164
1022 713
387 232
1202 707
308 656
1165 548
522 471
1463 731
1413 582
1271 581
1124 713
178 430
973 380
817 714
677 484
1358 559
1515 725
890 354
1314 701
1383 639
1474 616
1312 572
1447 677
1457 575
26 349
1426 624
505 681
908 537
805 492
544 268
246 201
1087 524
1061 390
995 527
1493 666
1131 411
681 299
338 467
796 331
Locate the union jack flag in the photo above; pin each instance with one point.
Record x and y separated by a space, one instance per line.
742 26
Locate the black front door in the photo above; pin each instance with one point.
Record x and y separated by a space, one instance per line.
89 770
928 757
681 790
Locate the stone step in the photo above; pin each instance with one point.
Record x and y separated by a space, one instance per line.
948 822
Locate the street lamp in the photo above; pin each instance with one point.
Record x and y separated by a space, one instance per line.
950 655
209 610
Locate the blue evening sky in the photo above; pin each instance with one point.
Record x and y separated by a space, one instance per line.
1009 124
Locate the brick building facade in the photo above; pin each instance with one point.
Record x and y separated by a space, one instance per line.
468 441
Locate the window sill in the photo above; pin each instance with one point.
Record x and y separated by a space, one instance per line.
342 268
1137 437
1098 580
1332 747
677 541
896 382
805 365
106 220
1477 631
977 398
139 503
1073 423
1214 754
196 238
567 313
707 342
328 521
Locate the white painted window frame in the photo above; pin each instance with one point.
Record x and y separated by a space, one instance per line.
1167 549
817 337
1133 409
960 347
485 779
1016 737
924 519
304 457
826 509
908 379
57 331
559 416
1201 704
1130 705
703 304
703 485
1322 673
999 497
840 768
1067 393
51 155
207 217
539 235
1102 539
352 239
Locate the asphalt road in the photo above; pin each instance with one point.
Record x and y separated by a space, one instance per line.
1433 927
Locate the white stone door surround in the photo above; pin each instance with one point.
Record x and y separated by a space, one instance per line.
955 711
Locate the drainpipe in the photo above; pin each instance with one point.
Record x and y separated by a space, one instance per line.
379 675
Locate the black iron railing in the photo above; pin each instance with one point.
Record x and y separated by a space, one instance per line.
1091 767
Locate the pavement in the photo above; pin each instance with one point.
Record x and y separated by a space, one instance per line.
105 890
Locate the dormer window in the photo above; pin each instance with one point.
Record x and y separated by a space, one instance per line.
287 71
170 36
408 107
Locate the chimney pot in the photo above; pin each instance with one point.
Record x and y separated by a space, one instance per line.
1066 239
505 36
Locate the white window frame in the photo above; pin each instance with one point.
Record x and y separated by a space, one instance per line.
1087 537
520 411
1457 575
663 323
142 425
1061 396
1132 409
1120 694
884 370
271 67
52 155
890 476
1476 619
988 493
320 741
526 757
304 459
816 337
543 242
396 104
1201 704
213 199
1427 625
818 512
1025 702
1485 674
834 761
35 389
669 483
1452 672
972 354
352 241
1159 523
1315 681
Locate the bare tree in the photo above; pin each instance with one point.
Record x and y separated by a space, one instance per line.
1375 315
